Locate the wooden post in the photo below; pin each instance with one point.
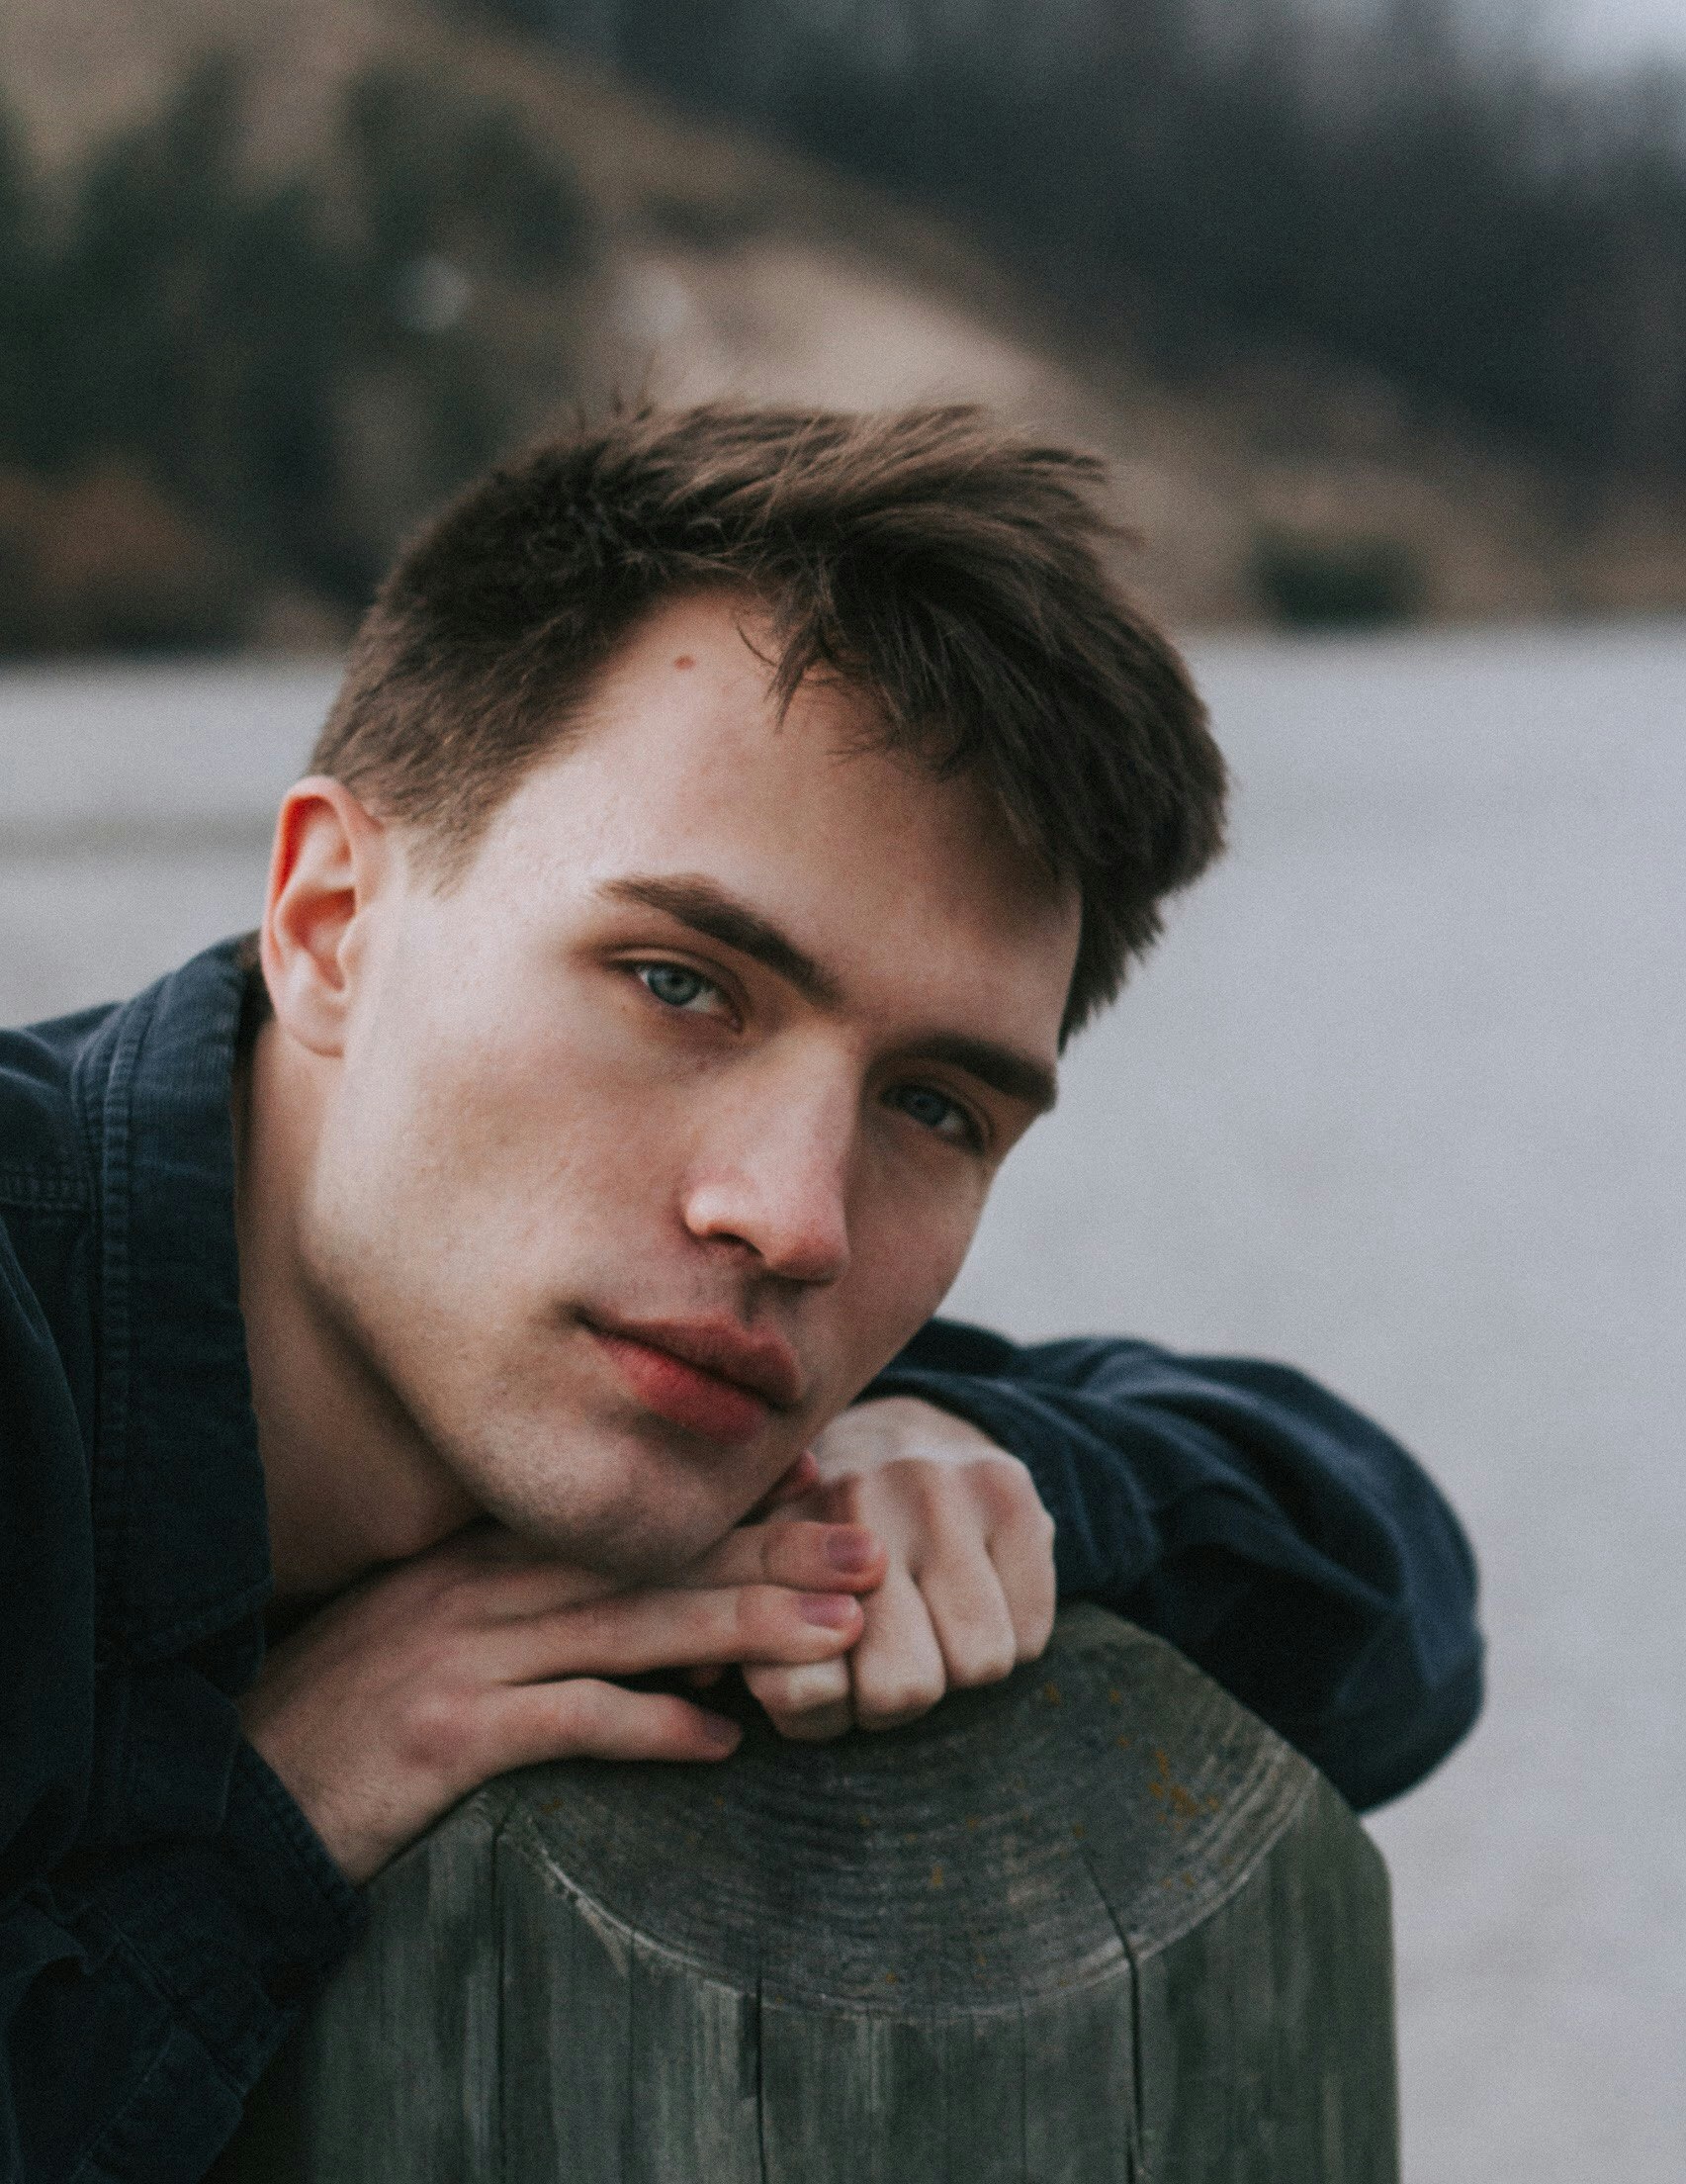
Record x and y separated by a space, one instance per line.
1097 1924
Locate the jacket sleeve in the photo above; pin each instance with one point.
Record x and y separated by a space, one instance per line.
143 1984
1286 1545
144 1995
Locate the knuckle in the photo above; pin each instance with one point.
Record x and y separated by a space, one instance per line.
438 1734
1007 1488
989 1660
1036 1626
588 1627
445 1594
812 1687
751 1616
799 1548
582 1707
763 1549
774 1689
764 1624
899 1698
925 1484
845 1500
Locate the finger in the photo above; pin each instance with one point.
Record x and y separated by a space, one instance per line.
821 1558
801 1478
896 1672
582 1718
674 1628
1023 1551
809 1703
492 1580
969 1614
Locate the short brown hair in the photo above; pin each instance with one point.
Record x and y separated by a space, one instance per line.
949 570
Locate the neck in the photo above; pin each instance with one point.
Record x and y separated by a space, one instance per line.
349 1479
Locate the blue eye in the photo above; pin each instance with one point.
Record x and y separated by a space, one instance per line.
674 986
936 1112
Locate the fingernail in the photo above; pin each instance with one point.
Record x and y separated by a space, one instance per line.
849 1549
832 1610
721 1733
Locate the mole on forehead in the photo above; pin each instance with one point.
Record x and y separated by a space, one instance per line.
685 660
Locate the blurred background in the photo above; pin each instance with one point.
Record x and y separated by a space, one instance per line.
1378 308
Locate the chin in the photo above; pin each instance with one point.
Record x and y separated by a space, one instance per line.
643 1521
631 1552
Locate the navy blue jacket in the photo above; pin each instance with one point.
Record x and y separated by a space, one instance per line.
164 1906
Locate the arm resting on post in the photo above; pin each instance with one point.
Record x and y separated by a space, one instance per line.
1097 1924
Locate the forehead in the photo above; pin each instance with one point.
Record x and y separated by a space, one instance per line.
681 761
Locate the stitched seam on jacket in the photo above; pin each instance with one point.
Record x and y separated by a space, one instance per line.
61 1190
111 1468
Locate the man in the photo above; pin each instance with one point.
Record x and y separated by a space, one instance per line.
724 821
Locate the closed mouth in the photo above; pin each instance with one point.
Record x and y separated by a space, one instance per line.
709 1374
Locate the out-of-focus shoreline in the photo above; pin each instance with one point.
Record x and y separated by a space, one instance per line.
1280 488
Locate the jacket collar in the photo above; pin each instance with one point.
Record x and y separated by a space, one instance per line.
180 1535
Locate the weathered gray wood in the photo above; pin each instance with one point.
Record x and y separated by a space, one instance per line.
1097 1925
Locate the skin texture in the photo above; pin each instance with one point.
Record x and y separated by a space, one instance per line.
509 1145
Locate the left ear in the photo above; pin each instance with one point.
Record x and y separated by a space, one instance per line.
331 859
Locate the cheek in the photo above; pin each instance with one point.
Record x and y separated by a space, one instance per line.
908 1255
518 1127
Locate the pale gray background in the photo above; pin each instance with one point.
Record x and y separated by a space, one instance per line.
1400 1100
1596 36
1600 33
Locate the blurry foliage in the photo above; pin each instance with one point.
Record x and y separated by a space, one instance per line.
100 561
1225 171
1312 583
191 355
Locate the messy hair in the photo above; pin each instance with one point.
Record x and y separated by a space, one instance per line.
947 570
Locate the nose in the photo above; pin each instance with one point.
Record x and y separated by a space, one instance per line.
771 1175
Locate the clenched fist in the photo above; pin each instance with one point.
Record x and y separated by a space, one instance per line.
968 1586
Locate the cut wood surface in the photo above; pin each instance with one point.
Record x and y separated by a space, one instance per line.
1095 1924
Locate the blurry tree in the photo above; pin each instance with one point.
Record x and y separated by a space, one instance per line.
1231 171
295 366
1319 583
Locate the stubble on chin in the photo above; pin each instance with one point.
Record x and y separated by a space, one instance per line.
639 1530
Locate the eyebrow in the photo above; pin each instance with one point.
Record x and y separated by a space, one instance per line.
709 909
1003 1068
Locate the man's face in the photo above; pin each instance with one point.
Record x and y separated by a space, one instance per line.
660 1131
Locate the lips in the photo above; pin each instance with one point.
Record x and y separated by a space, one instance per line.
708 1376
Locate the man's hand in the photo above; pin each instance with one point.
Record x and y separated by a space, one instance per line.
418 1685
969 1588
